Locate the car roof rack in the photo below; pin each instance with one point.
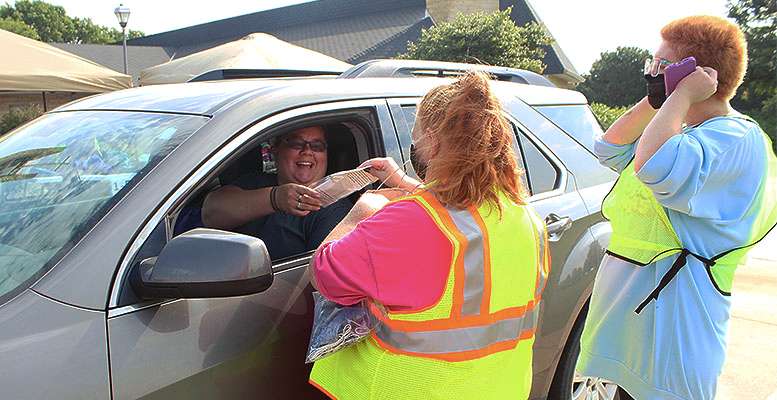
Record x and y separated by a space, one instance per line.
242 73
420 68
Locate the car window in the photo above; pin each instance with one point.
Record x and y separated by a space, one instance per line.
66 170
408 113
576 120
542 174
256 167
405 123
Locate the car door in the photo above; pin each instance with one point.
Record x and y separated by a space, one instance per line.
241 347
576 252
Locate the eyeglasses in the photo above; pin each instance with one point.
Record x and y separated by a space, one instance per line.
656 65
317 146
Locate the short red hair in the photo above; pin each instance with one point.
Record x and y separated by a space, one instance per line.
474 160
715 42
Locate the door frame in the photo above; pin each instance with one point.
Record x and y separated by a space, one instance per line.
251 133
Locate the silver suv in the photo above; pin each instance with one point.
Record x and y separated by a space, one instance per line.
90 194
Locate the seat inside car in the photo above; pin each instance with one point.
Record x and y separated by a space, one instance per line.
342 153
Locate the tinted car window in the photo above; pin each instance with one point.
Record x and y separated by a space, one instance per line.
577 121
406 121
543 175
409 113
66 170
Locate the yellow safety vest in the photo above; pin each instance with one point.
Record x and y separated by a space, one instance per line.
642 233
476 341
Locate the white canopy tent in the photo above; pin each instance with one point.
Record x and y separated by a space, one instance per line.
257 51
32 66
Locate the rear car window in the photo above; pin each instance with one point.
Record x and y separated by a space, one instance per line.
576 120
542 174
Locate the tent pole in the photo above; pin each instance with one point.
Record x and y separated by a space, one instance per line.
44 102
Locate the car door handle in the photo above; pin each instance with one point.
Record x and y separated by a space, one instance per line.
557 226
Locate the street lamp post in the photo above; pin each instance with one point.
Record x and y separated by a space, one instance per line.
122 14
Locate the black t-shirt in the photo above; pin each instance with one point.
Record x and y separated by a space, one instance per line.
286 235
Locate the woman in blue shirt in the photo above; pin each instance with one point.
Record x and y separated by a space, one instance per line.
658 328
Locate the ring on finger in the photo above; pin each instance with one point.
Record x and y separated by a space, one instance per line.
299 205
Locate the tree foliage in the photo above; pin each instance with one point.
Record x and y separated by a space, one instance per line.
492 39
757 96
18 116
52 24
606 114
18 27
616 78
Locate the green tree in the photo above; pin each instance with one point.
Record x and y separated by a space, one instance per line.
606 114
18 27
52 24
18 116
757 96
50 21
117 37
616 78
483 38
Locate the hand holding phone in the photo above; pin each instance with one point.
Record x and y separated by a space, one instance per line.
674 73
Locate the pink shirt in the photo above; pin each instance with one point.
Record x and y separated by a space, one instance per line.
397 257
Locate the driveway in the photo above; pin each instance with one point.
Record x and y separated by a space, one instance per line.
750 372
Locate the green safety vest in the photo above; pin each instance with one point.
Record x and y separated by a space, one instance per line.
642 233
476 341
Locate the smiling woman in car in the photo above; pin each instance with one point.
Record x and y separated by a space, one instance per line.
280 209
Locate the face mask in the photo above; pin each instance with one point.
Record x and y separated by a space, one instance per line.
418 166
656 91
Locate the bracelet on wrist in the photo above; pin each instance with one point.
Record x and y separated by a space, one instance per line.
273 202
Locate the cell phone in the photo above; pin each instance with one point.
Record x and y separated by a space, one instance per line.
674 73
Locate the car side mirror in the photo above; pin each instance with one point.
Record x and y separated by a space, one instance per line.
204 263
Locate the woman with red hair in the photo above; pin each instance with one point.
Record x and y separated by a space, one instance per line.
453 271
698 188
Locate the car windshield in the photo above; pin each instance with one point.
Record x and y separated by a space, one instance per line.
60 174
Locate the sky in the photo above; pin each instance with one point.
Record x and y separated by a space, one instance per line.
583 28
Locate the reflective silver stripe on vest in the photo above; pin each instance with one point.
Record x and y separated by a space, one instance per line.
542 245
459 339
474 259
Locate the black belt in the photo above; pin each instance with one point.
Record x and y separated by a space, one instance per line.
679 263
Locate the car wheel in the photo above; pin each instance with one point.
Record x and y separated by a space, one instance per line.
592 388
567 383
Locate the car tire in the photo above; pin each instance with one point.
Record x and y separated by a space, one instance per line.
566 385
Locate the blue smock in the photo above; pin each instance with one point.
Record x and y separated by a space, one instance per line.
707 180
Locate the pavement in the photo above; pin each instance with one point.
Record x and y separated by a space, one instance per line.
750 372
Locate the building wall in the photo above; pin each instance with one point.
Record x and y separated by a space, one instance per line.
15 100
445 10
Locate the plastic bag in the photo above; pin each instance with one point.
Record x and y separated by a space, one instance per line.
336 327
340 184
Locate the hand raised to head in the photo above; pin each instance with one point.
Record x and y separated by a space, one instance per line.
699 85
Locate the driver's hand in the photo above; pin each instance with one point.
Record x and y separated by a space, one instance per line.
297 199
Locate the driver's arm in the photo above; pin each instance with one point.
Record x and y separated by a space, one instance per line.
234 205
230 206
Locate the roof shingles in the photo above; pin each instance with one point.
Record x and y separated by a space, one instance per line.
350 30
